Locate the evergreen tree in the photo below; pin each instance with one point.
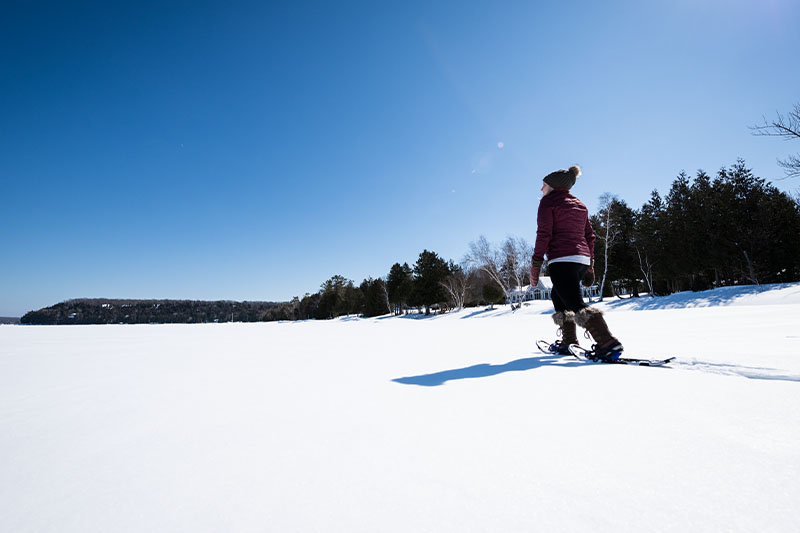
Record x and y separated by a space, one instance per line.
374 297
399 284
623 270
309 306
492 294
336 298
430 271
648 241
353 300
757 217
782 222
677 231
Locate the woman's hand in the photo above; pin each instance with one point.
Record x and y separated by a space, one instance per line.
588 277
536 269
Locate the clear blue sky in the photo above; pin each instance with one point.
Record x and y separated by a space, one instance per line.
249 151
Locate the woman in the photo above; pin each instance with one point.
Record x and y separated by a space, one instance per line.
565 236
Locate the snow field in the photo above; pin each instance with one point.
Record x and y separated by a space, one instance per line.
450 423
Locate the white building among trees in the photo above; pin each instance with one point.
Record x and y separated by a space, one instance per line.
543 290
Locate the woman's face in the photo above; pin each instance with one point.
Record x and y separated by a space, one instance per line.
546 189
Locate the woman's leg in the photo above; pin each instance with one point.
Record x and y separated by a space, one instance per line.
566 279
566 300
558 303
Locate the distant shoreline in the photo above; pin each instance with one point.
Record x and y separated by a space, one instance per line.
9 319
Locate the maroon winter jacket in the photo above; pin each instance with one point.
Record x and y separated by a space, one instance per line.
563 227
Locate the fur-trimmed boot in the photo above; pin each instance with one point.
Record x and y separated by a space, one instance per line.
565 320
607 347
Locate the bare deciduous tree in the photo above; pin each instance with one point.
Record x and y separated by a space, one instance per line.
487 258
786 127
457 284
385 290
647 270
516 253
610 233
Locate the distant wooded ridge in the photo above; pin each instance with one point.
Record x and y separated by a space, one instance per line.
9 320
114 311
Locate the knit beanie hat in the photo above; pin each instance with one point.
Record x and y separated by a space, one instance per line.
563 179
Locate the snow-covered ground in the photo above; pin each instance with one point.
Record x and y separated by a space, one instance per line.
449 423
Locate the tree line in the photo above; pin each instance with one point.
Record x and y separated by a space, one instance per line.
704 233
108 311
432 284
734 228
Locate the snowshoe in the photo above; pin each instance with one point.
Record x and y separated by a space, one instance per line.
555 348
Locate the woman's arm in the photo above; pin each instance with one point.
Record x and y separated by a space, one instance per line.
544 231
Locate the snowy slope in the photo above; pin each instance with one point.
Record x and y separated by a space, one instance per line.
450 423
770 294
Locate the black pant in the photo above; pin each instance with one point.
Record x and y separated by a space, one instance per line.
566 293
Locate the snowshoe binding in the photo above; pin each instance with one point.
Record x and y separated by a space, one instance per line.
610 353
606 354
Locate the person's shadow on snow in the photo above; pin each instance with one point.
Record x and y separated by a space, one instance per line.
486 370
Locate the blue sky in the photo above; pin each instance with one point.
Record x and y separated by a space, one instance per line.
249 151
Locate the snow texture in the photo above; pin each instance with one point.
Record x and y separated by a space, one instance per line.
449 423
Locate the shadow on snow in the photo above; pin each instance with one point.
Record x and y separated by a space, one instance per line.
721 296
476 313
486 370
529 363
